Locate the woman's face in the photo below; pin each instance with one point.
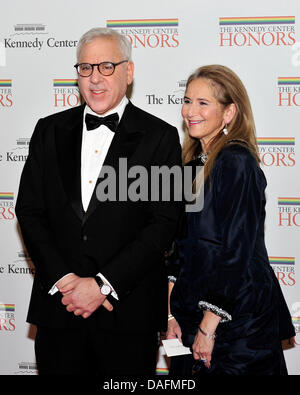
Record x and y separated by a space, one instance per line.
202 113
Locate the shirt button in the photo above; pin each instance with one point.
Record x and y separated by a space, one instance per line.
90 182
84 237
96 151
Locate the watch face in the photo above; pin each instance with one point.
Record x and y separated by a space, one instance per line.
105 289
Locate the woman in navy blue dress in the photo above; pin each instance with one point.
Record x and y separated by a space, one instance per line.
226 303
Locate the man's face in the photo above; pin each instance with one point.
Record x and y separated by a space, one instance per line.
103 93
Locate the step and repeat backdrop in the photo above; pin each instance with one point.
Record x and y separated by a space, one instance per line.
259 40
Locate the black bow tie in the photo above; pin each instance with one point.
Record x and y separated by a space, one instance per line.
93 122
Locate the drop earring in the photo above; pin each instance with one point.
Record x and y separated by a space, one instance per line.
225 131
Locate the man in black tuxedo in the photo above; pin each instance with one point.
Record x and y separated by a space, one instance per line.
99 296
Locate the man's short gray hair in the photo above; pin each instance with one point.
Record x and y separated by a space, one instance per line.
124 43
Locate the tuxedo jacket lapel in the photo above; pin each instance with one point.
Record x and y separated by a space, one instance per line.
124 143
68 146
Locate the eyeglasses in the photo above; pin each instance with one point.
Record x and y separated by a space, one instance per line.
104 68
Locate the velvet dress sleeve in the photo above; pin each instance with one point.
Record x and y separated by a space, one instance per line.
237 193
173 259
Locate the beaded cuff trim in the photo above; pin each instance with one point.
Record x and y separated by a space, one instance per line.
216 310
172 279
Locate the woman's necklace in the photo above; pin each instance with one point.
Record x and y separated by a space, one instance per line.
203 157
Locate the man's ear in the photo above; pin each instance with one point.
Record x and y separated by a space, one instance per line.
130 72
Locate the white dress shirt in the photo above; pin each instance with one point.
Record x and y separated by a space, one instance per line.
95 145
94 148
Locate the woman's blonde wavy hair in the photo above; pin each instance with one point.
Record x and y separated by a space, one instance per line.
227 88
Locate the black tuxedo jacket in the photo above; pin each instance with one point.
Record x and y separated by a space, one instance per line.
123 240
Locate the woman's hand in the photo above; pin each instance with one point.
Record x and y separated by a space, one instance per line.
204 340
174 331
202 348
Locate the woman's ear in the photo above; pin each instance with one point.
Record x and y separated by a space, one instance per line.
229 113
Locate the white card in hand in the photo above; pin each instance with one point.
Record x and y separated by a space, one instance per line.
174 347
